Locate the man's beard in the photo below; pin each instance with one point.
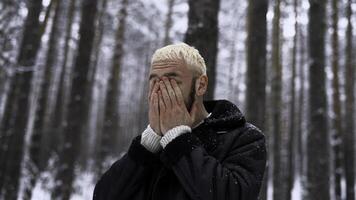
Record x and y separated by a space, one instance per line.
191 97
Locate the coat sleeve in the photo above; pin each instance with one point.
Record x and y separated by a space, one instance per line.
238 176
127 174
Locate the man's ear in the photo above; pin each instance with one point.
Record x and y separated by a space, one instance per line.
201 85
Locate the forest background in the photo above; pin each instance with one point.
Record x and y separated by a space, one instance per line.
74 73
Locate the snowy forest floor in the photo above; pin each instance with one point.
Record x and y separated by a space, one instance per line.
84 187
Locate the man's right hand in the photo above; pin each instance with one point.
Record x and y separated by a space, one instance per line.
153 111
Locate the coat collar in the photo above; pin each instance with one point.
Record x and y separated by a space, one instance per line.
224 116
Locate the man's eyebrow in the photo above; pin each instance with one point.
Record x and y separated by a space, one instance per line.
169 74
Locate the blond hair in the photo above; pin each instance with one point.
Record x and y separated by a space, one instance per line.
181 52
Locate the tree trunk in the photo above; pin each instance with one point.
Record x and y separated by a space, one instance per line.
301 112
89 146
279 172
256 69
349 137
100 31
292 137
61 104
78 108
47 16
16 114
203 33
336 120
39 138
318 186
109 139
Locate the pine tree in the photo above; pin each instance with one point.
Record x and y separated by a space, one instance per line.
203 33
109 140
337 127
13 128
78 108
292 137
349 138
256 69
279 173
40 137
60 107
318 183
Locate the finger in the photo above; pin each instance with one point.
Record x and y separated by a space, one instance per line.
150 87
166 99
154 88
178 93
170 91
150 102
162 106
155 103
152 84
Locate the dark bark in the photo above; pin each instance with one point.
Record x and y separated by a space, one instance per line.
39 140
336 107
14 124
292 137
78 108
100 115
318 184
256 69
279 164
256 62
47 16
203 33
109 138
349 136
60 107
100 26
89 146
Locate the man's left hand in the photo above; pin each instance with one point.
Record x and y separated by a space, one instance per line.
173 111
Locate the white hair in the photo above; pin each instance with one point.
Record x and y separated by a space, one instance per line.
181 52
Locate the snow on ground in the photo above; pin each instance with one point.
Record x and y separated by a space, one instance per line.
83 187
297 190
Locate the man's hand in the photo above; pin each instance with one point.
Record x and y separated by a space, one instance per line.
153 111
173 111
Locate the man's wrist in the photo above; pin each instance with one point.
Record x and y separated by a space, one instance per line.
173 133
151 140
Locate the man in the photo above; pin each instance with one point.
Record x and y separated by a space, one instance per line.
191 149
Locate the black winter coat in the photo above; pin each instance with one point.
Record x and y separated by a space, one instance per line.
223 158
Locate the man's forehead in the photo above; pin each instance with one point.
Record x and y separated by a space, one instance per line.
167 63
170 66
